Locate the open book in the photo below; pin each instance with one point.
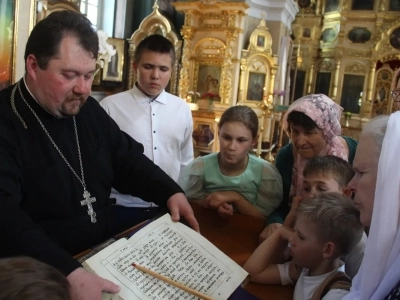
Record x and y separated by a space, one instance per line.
173 250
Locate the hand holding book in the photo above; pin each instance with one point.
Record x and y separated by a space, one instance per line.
172 250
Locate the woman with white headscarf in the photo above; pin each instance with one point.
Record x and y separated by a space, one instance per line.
377 187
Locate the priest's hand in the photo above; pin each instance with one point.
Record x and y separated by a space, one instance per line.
88 286
179 206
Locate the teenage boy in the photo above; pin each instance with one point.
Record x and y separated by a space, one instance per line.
158 120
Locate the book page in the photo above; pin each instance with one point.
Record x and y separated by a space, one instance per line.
175 251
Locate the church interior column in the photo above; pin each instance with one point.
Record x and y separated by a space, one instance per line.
370 89
336 78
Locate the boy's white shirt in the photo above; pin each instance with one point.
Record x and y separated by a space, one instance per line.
307 285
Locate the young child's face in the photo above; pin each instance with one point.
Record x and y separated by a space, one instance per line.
306 250
317 183
235 142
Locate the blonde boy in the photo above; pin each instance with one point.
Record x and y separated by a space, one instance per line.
327 227
329 174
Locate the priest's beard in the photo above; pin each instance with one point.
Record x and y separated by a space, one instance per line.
71 107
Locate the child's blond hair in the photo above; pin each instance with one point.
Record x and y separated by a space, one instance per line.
336 218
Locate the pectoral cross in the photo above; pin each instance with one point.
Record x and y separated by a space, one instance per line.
88 201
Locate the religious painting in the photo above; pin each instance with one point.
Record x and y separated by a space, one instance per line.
328 35
260 40
380 104
299 79
97 76
353 86
384 75
113 70
396 80
394 5
208 81
359 35
255 86
306 32
203 136
7 41
323 83
381 94
383 86
395 38
304 3
331 5
363 5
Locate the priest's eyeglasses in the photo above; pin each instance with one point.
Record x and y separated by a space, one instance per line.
396 95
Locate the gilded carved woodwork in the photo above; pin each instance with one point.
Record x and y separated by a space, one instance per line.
325 66
349 42
210 62
187 34
258 67
45 8
355 68
382 98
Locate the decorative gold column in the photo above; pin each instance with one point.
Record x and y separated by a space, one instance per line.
187 34
336 78
371 81
131 73
310 78
267 108
243 69
271 86
226 92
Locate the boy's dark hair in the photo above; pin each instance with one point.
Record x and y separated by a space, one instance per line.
336 218
299 118
155 43
340 169
24 278
45 38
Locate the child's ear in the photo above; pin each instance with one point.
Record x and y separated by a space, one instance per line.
329 250
347 192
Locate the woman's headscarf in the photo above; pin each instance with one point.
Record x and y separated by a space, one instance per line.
380 269
326 114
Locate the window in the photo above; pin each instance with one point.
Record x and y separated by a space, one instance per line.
92 10
95 11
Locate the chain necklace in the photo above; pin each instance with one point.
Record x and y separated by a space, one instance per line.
88 200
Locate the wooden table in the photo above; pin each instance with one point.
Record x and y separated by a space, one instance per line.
237 237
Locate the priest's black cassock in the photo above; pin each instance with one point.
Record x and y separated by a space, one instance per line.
40 211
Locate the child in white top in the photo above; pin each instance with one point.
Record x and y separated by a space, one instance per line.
329 174
327 227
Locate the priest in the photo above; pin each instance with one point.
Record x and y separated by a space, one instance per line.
60 155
